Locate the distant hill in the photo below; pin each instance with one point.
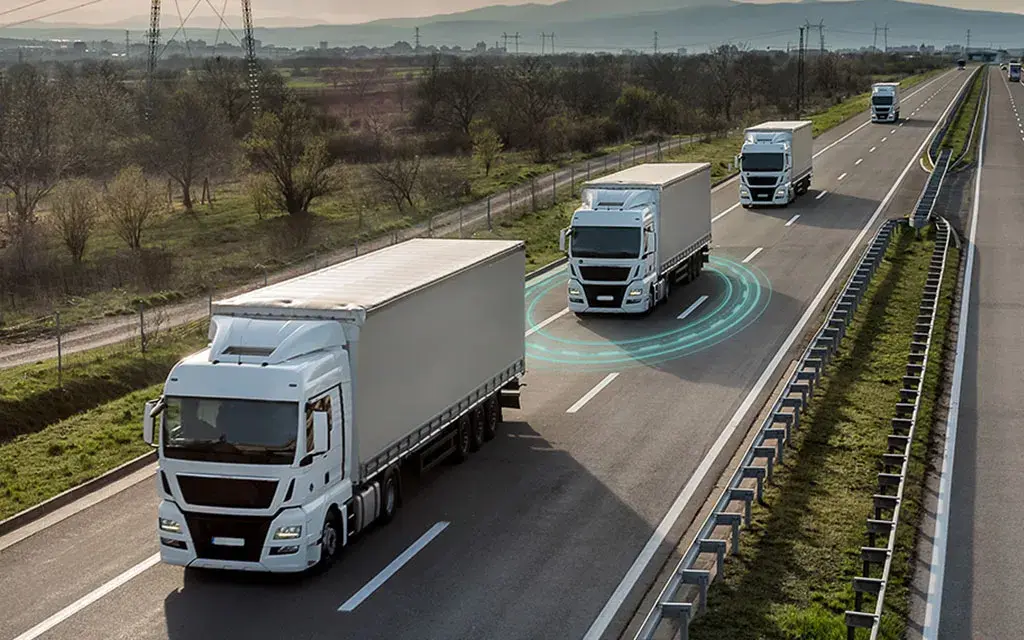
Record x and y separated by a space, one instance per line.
612 25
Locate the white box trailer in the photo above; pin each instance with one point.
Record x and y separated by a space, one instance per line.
328 382
638 231
776 162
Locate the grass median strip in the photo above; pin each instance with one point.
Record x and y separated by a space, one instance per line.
792 579
959 133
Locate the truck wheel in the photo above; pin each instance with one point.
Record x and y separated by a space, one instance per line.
493 409
389 497
330 540
478 422
462 440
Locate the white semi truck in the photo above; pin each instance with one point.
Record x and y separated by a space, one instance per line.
283 439
776 162
637 232
1013 73
885 102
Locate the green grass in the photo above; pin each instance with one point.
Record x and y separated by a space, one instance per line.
792 579
31 398
959 133
40 465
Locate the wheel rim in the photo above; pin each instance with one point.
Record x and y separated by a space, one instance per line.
478 424
492 416
464 437
329 539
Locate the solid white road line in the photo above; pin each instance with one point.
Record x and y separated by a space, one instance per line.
840 178
545 323
859 160
604 618
792 220
822 195
753 254
593 392
393 568
88 599
940 536
693 307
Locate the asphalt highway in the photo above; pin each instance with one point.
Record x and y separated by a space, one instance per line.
983 587
546 521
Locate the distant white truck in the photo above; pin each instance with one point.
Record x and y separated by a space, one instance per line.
637 232
283 439
1014 72
885 102
776 162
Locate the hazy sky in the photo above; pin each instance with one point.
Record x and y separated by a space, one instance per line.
320 11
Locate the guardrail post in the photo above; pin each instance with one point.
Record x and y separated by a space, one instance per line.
700 579
489 225
681 611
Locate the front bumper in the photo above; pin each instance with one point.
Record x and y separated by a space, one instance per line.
607 298
753 196
888 117
198 549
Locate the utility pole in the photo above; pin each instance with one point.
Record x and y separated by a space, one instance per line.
417 40
886 30
968 50
127 44
800 76
516 38
874 43
655 43
552 43
504 37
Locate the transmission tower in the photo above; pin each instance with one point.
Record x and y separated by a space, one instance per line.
821 33
248 41
800 76
417 39
655 43
968 49
127 44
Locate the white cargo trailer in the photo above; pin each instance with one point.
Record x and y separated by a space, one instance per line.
776 162
637 232
284 437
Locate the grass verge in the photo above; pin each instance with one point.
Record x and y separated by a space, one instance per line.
959 133
32 398
793 577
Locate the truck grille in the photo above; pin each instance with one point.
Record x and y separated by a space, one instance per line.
605 274
227 492
205 527
762 181
762 195
595 291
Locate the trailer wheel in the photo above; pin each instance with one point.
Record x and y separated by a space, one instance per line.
330 540
478 423
389 496
462 440
493 409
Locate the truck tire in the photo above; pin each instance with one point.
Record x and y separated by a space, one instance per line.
462 440
478 424
330 540
389 496
493 410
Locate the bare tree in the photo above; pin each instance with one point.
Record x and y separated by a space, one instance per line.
191 138
398 179
33 150
532 88
723 87
75 210
286 147
131 203
455 96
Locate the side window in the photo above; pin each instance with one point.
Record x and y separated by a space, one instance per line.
321 404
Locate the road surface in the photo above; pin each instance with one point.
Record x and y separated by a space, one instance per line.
983 586
545 521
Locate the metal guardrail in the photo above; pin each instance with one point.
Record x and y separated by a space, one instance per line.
982 95
897 455
926 202
933 149
733 508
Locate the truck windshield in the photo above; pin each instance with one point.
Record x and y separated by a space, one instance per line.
763 162
882 100
230 430
605 242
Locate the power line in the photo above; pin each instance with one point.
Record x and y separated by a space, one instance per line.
58 12
28 5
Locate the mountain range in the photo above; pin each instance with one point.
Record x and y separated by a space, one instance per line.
613 25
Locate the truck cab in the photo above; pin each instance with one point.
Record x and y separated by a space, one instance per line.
611 249
1014 72
885 102
775 163
252 447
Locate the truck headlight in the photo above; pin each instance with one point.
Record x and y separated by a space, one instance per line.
781 193
288 533
169 525
573 291
633 293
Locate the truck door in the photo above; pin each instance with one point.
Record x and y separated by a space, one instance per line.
329 403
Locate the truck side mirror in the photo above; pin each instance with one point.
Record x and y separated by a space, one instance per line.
148 422
563 239
320 429
737 161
